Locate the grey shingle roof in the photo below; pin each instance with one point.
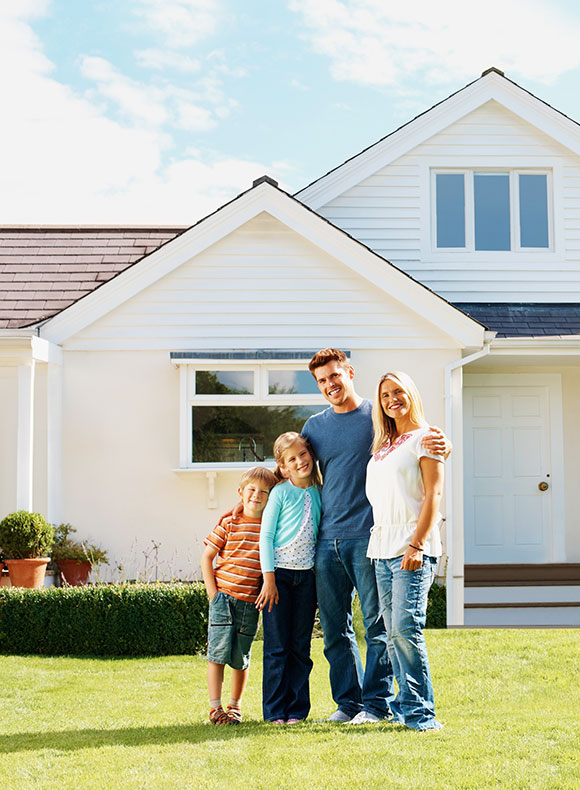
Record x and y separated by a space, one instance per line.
526 320
44 270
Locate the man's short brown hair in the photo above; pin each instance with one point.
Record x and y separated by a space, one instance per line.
326 355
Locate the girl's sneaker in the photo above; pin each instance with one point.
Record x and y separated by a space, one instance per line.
234 715
219 716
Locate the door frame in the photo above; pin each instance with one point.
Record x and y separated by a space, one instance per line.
553 381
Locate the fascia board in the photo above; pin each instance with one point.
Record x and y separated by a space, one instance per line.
490 87
156 265
397 285
557 344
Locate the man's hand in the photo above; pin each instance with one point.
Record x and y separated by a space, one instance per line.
437 443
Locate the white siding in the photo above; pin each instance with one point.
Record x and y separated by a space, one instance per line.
262 286
390 212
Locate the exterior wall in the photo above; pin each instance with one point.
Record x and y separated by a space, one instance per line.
121 447
247 289
8 438
570 374
390 212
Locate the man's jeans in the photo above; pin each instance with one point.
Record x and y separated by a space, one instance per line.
403 595
341 567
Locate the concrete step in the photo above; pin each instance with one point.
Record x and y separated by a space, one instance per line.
523 615
527 594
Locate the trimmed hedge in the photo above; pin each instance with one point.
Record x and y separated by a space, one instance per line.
104 620
437 607
124 620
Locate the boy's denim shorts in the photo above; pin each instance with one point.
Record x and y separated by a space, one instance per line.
232 628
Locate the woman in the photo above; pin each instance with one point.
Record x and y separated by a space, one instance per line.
404 485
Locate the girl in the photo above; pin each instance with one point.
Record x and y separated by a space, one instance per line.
404 485
288 596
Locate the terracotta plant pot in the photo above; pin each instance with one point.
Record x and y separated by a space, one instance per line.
73 572
28 573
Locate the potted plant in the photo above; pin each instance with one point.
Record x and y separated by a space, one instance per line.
25 541
74 558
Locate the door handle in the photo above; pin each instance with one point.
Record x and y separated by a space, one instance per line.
543 486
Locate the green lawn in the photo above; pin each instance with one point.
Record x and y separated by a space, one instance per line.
510 701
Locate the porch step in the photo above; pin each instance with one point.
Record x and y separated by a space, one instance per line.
524 596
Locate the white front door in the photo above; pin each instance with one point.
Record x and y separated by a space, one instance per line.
512 431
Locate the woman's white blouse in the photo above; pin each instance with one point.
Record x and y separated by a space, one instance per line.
395 490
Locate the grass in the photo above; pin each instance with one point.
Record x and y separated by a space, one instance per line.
509 700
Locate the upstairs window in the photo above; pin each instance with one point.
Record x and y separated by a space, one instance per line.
489 210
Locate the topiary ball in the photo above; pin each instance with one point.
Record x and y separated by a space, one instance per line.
24 535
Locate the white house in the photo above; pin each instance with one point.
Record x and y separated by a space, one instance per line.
142 369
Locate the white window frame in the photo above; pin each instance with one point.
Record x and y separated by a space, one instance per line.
260 397
469 207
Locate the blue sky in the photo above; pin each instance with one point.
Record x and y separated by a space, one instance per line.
158 111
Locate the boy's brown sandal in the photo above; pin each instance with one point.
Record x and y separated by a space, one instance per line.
219 716
234 715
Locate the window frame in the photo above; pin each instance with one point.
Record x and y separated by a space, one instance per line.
260 397
469 208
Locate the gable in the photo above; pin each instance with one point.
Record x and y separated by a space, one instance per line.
261 285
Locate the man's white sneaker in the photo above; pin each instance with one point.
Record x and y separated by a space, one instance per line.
340 715
364 717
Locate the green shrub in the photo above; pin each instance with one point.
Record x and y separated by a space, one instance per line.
65 548
104 620
24 535
437 607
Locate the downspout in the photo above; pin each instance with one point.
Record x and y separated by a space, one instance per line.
454 486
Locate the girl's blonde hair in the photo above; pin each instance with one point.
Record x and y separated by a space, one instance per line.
286 440
385 428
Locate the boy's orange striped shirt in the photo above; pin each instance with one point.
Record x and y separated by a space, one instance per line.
237 569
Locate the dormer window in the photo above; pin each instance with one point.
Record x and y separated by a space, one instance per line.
492 210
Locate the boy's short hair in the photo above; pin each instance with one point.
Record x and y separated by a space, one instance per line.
326 355
261 474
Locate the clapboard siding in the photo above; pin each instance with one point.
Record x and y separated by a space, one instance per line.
261 286
390 212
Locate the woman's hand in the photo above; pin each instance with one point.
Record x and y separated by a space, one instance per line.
412 559
268 594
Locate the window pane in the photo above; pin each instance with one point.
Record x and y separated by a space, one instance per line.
243 433
491 193
534 210
450 190
290 382
224 382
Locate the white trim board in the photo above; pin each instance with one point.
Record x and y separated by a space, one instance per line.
491 87
265 198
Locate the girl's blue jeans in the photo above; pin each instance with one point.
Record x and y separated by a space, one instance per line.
403 596
287 635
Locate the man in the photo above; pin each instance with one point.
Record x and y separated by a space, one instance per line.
341 437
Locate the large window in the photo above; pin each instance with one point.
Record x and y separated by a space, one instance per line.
233 412
489 210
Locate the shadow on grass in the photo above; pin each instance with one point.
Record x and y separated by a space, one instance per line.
75 740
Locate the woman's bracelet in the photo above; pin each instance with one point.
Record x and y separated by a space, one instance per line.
415 547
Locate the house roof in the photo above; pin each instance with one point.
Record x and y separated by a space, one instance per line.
45 269
526 320
493 85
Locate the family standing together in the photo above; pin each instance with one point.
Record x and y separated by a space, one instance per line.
370 525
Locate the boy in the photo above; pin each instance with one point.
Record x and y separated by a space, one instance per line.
233 588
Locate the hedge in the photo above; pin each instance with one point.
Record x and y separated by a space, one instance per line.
123 620
104 620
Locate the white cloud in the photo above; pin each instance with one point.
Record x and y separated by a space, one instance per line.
65 161
159 60
374 42
180 23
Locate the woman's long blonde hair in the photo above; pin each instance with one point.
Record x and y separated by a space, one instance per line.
286 440
385 428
